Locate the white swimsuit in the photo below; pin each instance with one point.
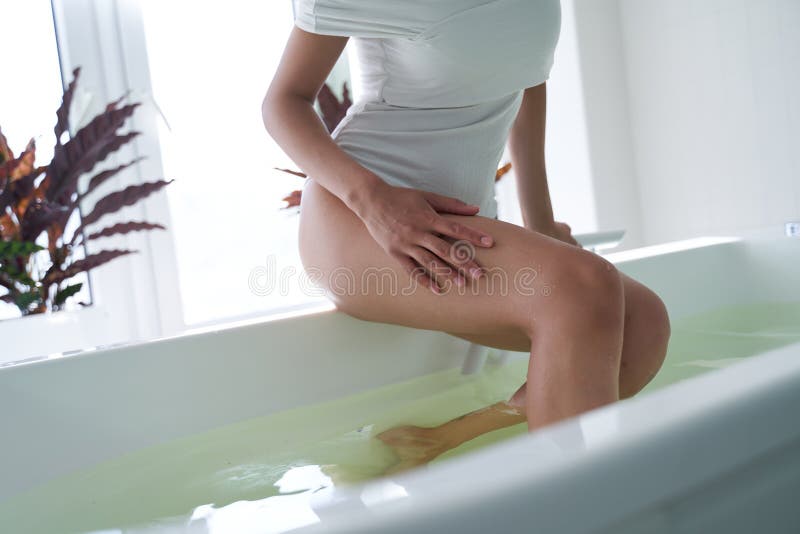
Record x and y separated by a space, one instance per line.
441 84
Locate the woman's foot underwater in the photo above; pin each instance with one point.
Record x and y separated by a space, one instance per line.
413 445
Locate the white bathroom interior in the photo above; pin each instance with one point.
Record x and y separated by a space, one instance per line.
673 127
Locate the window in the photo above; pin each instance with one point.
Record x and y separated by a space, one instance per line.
200 75
236 249
31 89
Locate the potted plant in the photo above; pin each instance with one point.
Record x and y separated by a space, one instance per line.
42 236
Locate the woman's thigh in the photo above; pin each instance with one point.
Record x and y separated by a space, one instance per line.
530 278
646 328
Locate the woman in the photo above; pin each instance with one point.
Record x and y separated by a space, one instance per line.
398 218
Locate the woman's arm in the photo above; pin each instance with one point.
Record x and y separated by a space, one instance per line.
526 145
289 117
405 222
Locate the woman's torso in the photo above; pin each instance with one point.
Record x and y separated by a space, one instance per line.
440 85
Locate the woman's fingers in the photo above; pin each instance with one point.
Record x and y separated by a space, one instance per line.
417 272
563 232
460 254
459 231
437 270
430 247
447 204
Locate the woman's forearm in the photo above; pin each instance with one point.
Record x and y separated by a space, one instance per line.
526 146
534 200
294 124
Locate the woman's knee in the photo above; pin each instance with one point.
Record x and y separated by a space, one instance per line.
589 289
647 333
662 329
655 322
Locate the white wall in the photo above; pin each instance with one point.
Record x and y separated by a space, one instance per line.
676 118
714 103
607 122
590 162
567 145
673 118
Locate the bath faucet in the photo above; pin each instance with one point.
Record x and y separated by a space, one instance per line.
597 241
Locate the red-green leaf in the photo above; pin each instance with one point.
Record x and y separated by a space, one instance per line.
6 154
62 114
90 145
39 215
296 173
102 177
22 166
89 262
67 292
293 199
502 171
5 194
124 228
12 249
119 199
25 300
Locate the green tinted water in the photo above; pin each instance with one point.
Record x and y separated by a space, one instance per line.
274 464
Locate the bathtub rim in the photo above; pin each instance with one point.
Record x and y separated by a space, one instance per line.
256 323
622 259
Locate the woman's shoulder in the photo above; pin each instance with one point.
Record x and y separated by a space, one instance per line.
364 18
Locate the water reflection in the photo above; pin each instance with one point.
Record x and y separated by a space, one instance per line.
306 493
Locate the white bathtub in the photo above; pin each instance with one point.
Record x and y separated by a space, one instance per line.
716 453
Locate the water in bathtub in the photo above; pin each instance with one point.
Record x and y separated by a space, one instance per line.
272 466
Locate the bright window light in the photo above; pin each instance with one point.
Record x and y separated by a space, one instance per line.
210 68
31 88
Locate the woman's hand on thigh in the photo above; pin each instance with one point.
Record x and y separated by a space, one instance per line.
407 224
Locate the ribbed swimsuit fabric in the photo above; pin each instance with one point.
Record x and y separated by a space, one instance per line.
440 86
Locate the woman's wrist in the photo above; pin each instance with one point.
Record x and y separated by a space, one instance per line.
363 191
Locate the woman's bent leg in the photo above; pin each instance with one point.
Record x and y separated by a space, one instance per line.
567 301
646 335
645 339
